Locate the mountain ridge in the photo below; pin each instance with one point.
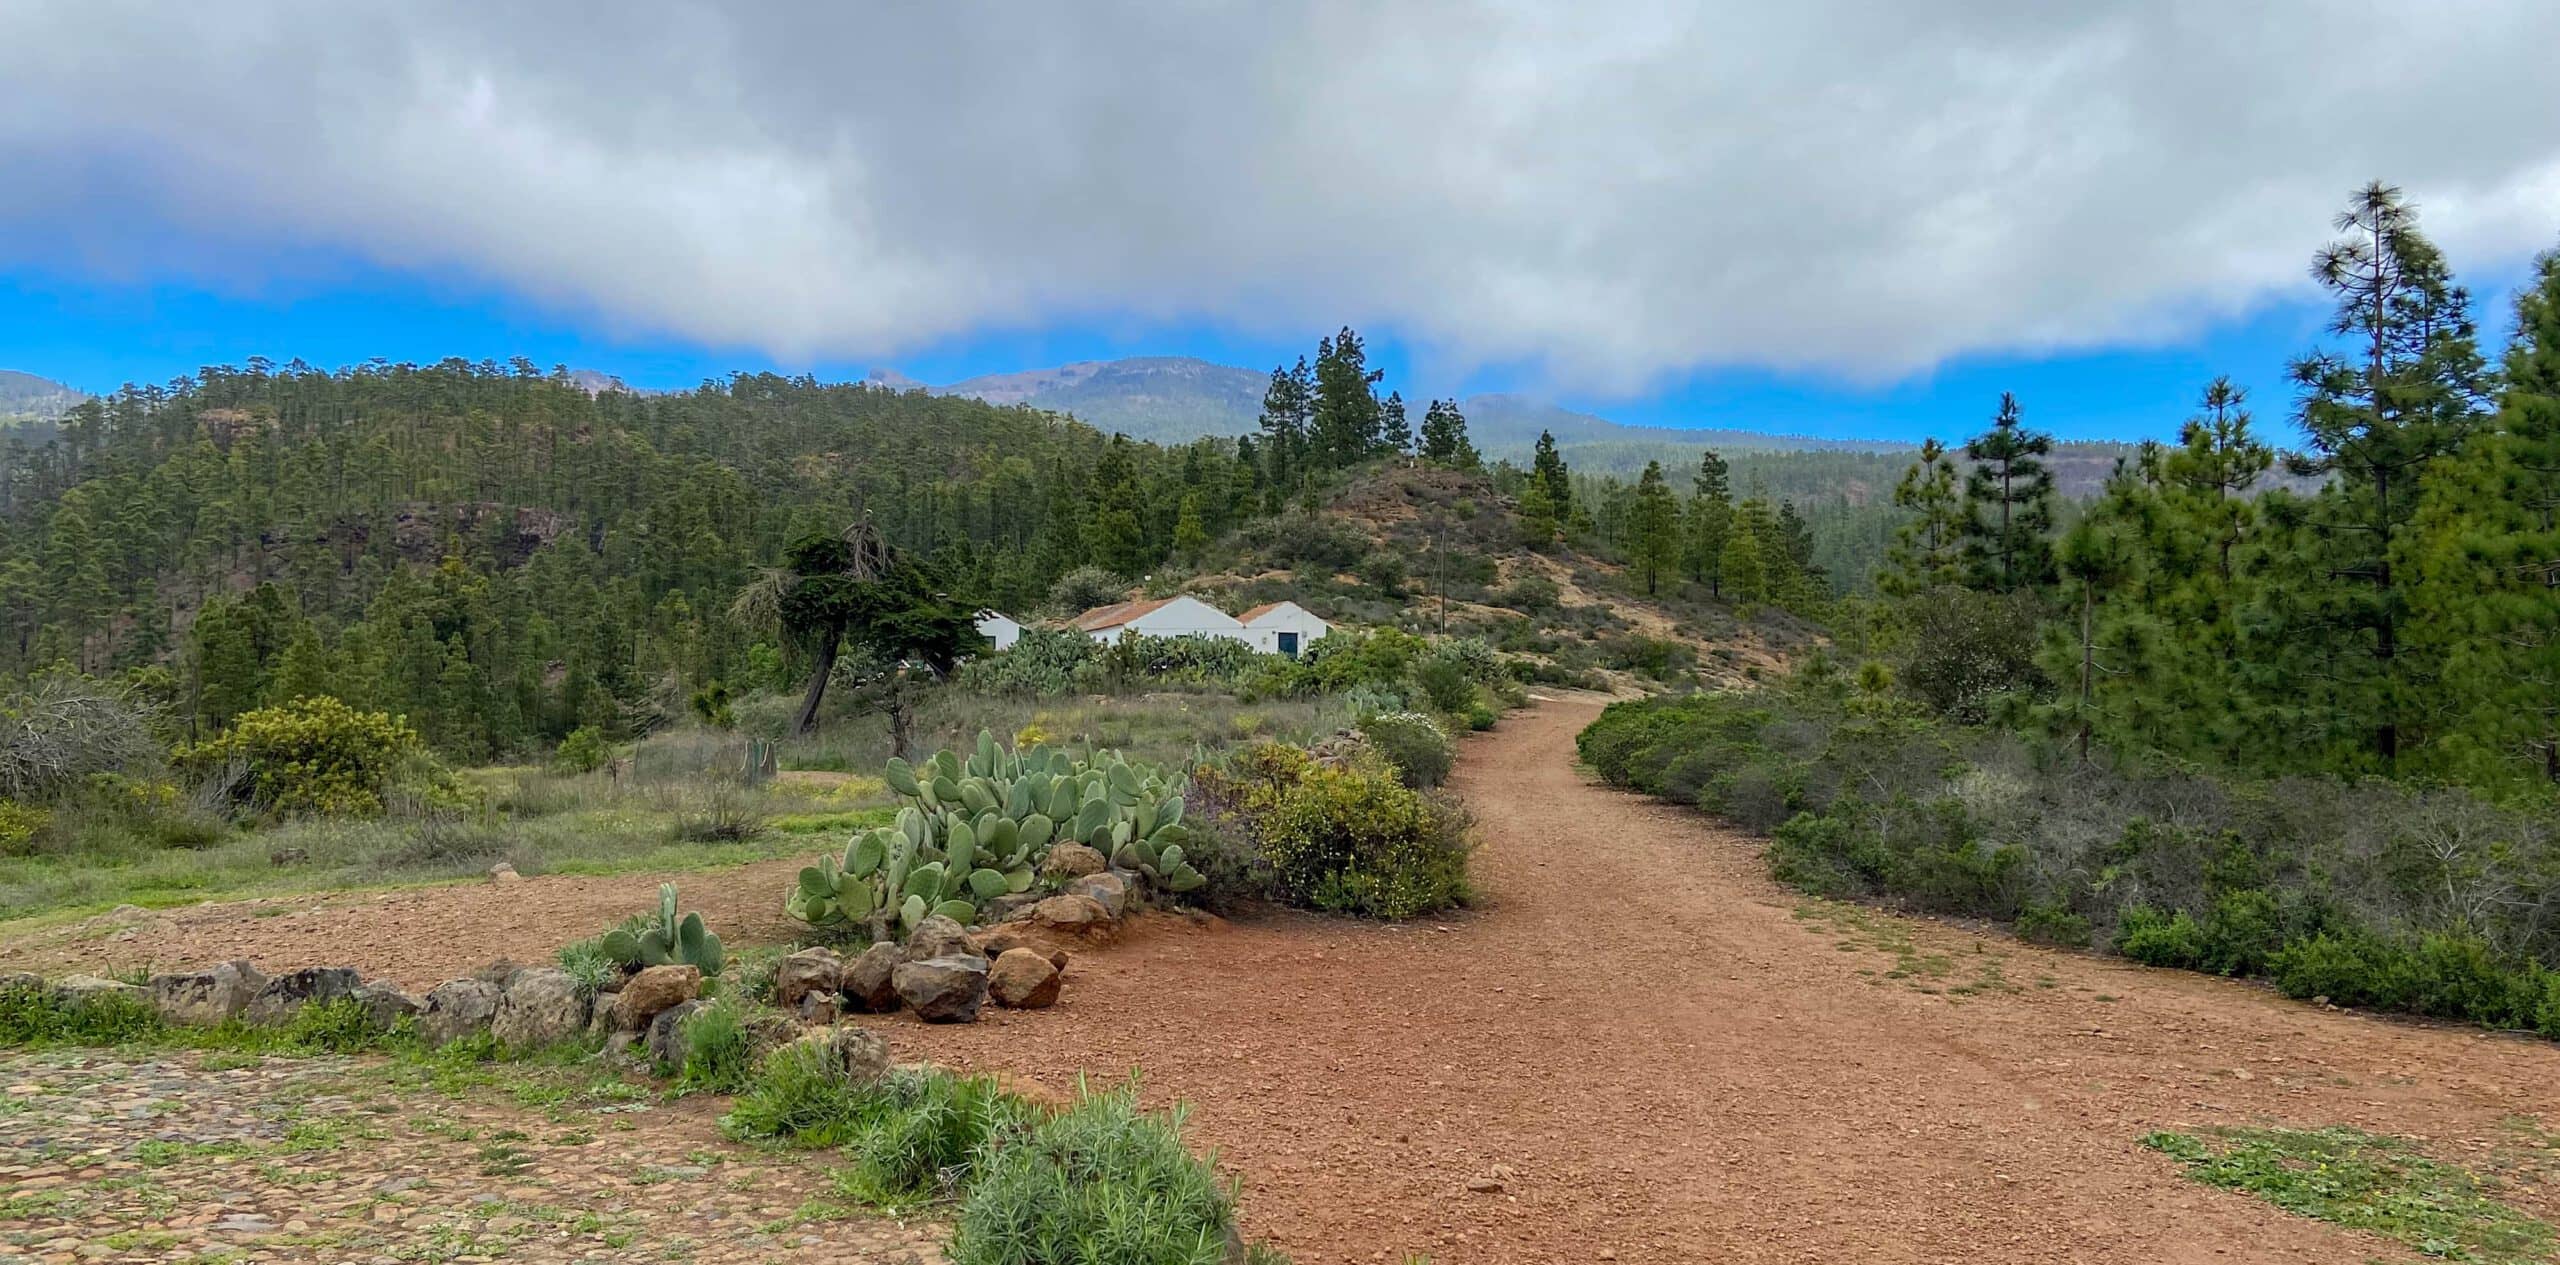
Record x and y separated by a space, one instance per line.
25 397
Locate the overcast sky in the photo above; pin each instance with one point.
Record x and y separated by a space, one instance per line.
1608 196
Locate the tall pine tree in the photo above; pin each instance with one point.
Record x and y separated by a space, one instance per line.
2399 395
2008 497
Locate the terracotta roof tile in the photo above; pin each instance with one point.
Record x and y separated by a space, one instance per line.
1114 616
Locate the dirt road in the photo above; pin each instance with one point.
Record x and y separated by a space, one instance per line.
1645 1043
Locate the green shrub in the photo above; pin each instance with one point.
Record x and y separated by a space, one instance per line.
19 826
1823 855
2053 925
320 756
1085 588
717 1054
2154 938
2350 969
339 1026
34 1014
2242 933
1101 1181
1445 682
1481 717
585 750
794 1095
1349 840
1414 744
923 1134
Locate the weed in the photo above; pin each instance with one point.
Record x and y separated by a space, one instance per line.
2364 1181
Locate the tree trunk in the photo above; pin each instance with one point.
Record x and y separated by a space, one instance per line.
818 682
2088 660
901 719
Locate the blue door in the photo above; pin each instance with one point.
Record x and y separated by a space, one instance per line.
1289 644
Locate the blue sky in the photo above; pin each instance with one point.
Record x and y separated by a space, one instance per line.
97 333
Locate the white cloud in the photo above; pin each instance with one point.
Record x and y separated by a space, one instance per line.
1609 193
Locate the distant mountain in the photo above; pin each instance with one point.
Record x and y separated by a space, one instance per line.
1506 425
1174 398
597 382
24 397
1148 397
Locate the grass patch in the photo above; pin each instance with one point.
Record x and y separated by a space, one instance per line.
718 1058
2364 1181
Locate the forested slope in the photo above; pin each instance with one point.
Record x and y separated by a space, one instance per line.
502 555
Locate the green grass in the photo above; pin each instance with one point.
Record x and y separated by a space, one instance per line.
2365 1181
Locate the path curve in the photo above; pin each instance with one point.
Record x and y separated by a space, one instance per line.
1639 1037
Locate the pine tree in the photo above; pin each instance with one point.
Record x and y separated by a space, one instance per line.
1925 553
1710 517
1537 516
1347 416
1395 434
1288 406
1190 536
1553 476
2401 396
1444 437
2008 498
2487 589
1745 560
1654 529
2216 463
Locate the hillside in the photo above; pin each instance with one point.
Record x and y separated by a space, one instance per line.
1434 550
512 555
26 397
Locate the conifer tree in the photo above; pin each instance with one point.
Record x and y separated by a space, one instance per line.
2487 589
2008 498
1395 434
1537 515
1444 437
1710 518
1654 529
1925 553
1288 406
2400 394
1347 418
1548 468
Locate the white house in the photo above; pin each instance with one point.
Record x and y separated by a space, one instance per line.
1282 628
1161 617
999 629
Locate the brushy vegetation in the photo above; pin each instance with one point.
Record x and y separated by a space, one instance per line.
318 756
716 1054
1414 744
1101 1180
2365 1181
1347 839
2425 900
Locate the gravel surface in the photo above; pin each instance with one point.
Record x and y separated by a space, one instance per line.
199 1158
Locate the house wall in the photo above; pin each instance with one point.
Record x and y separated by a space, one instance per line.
1000 630
1267 629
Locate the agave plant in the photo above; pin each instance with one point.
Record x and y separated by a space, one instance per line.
667 941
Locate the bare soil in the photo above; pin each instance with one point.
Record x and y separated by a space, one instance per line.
1658 1054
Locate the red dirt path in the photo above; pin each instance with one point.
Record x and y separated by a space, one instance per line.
1662 1060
